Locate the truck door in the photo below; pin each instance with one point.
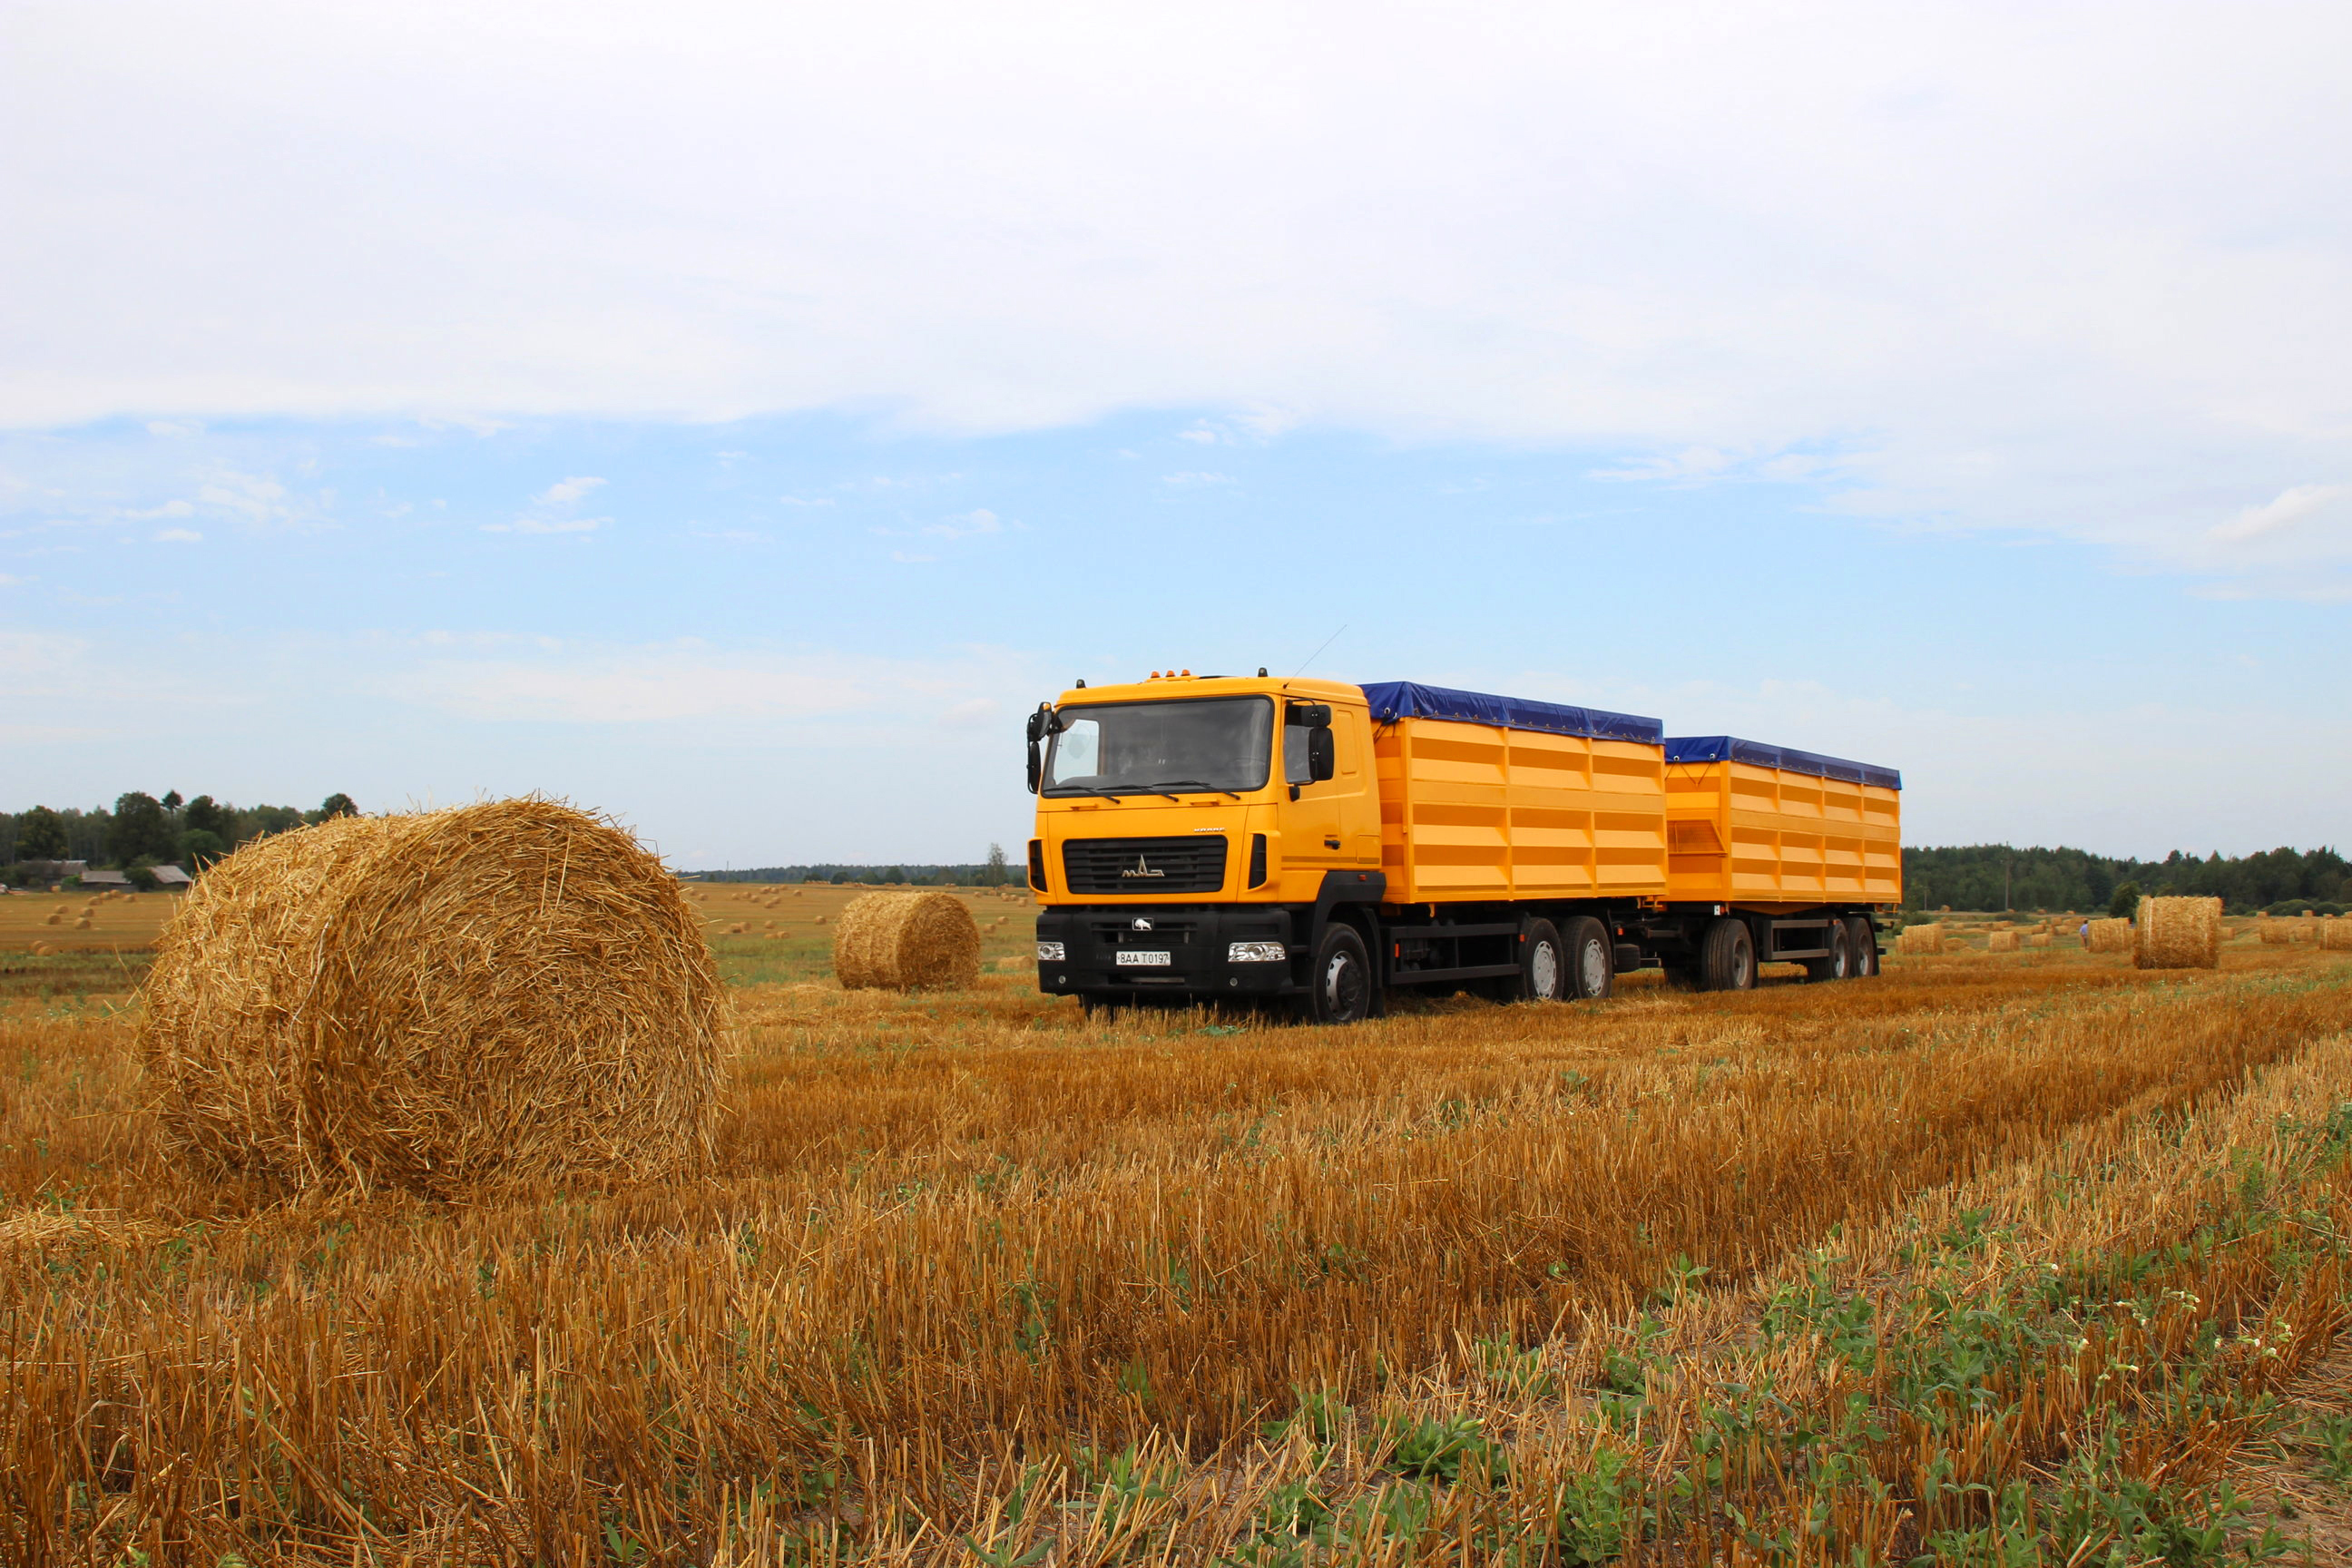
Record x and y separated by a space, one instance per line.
1336 823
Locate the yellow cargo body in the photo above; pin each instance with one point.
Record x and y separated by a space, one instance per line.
1482 812
1746 827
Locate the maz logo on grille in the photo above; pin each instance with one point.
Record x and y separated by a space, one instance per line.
1142 867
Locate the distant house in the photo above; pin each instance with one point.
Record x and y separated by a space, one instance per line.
172 876
104 879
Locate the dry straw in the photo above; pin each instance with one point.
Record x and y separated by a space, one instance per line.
906 941
2178 933
1920 939
2108 936
2274 933
453 1000
2336 932
2002 940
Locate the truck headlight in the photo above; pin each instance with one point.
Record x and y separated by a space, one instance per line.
1049 953
1256 952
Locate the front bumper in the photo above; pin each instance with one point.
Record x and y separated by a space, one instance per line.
1197 938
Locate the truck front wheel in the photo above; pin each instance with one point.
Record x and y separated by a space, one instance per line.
1864 942
1543 964
1591 960
1342 979
1727 957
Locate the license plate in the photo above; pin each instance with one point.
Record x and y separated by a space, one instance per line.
1128 958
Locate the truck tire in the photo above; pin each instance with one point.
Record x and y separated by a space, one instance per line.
1543 964
1839 965
1340 984
1864 942
1591 960
1726 956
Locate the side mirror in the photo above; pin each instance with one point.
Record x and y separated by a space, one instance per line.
1309 715
1041 724
1322 755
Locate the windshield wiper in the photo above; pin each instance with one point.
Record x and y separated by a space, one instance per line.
1201 785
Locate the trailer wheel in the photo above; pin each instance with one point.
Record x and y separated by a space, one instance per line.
1543 964
1342 980
1839 965
1864 942
1591 960
1727 957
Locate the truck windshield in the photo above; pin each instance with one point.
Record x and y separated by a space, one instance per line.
1214 744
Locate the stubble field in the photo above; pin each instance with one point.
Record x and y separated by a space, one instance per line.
1998 1258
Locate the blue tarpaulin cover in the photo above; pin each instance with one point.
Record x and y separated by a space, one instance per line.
1731 748
1394 700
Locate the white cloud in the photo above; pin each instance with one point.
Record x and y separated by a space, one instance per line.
168 427
6 581
966 526
179 536
567 492
2009 267
2290 509
1690 463
1185 479
548 525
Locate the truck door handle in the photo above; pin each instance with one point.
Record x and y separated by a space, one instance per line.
1330 843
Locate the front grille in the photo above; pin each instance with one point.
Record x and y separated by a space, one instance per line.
1129 867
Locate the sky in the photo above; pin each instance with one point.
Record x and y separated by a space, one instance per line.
733 418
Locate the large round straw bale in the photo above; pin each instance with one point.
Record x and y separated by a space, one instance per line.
2178 933
2002 940
906 941
2335 931
480 997
2274 933
1919 938
2108 936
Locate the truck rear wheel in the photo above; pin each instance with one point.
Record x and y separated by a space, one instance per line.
1865 941
1543 964
1591 960
1839 965
1340 987
1727 957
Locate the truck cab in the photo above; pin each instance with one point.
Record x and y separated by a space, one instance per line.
1194 833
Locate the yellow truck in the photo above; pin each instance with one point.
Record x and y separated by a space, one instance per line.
1207 838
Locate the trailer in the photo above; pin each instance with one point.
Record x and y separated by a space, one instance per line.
1213 839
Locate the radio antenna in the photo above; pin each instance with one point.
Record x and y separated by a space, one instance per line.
1312 657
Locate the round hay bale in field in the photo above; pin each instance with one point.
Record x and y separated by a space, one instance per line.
2003 940
1919 938
449 1001
2108 936
2178 933
2336 932
2274 933
2037 938
906 941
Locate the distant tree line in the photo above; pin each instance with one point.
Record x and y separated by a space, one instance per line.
993 872
2002 876
142 831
